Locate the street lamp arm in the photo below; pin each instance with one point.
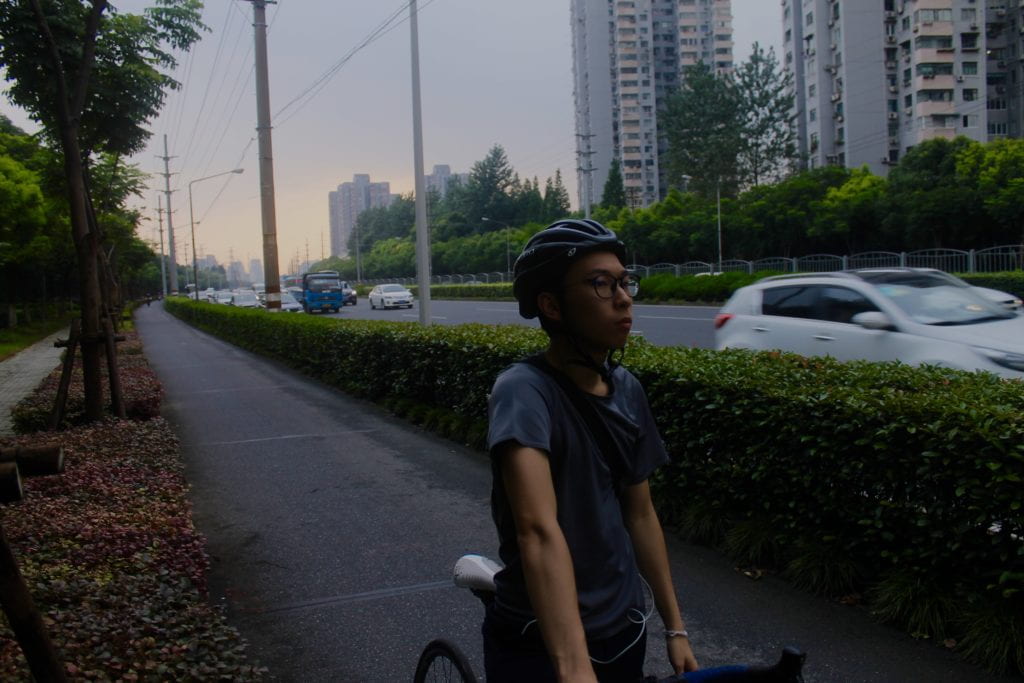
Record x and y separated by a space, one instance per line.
192 222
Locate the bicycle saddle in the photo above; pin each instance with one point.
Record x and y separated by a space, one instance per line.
475 572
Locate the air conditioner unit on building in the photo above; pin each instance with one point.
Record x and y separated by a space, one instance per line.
831 158
916 28
974 25
893 116
890 16
832 47
908 111
831 23
959 79
1000 12
894 142
893 88
890 65
890 39
839 118
831 68
1001 64
836 96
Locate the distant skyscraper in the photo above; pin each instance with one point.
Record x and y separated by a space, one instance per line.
348 201
256 270
873 79
628 56
442 177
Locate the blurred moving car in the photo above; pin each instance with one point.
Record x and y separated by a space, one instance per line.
289 304
244 298
390 296
914 315
1008 301
348 292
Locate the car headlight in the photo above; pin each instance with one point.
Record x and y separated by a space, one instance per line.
1008 359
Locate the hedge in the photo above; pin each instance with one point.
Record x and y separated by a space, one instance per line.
664 287
898 484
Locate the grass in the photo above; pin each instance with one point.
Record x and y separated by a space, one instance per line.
13 340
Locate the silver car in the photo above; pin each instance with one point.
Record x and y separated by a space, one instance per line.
914 315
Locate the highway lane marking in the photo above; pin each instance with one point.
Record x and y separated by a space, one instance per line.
286 436
363 597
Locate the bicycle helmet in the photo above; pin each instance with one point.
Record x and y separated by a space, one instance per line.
548 254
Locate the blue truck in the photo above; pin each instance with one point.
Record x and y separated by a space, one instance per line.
322 291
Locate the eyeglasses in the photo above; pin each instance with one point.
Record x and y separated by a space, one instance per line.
605 286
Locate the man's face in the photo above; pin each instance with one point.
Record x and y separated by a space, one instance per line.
601 323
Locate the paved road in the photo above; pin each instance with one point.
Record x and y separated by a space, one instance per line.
333 527
660 324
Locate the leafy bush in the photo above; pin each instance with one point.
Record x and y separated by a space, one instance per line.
861 471
1012 281
114 564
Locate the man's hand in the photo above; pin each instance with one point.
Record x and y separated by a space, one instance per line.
680 655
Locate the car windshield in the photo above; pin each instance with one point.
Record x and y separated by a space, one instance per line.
287 298
933 300
320 284
392 288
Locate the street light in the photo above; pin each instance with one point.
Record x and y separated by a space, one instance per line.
508 263
192 222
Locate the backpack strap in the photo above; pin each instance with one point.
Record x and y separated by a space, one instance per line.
595 424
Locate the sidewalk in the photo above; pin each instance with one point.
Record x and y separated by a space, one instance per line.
21 374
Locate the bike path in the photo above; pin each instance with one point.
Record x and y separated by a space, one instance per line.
333 526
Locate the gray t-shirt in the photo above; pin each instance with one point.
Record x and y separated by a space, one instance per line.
529 407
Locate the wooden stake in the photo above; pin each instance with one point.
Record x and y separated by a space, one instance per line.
60 404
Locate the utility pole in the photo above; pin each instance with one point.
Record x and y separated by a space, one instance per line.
422 236
271 274
163 265
170 223
585 169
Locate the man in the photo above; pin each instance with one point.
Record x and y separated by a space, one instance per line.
573 510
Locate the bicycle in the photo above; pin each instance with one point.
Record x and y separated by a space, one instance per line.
443 661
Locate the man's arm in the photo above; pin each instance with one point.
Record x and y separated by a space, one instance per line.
652 559
547 565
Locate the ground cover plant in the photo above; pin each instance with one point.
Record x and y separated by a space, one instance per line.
140 388
111 557
878 484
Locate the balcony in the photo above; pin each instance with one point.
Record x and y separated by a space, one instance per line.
936 82
933 108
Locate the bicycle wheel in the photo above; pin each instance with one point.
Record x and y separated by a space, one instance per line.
443 661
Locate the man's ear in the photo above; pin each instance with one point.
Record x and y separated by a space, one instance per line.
549 306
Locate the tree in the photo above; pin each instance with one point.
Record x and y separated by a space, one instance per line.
996 171
767 144
487 188
556 198
703 128
91 77
929 205
614 194
851 213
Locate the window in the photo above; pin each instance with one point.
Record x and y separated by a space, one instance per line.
969 68
809 19
813 115
791 302
970 94
968 14
934 42
969 41
970 121
934 95
840 304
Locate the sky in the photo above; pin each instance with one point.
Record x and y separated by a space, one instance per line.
491 72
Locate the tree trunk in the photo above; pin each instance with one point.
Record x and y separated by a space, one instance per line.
86 248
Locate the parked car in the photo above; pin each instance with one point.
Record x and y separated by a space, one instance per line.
349 297
244 298
222 296
289 304
914 315
390 296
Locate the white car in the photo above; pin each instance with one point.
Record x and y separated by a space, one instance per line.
289 304
390 296
244 298
1008 301
913 315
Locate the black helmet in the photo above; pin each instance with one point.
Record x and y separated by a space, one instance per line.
548 254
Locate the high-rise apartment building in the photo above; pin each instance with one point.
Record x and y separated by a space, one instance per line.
873 78
256 270
346 203
441 178
628 56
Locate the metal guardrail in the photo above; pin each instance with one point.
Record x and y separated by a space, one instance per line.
991 260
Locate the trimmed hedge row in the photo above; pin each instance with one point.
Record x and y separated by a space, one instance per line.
895 483
664 287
